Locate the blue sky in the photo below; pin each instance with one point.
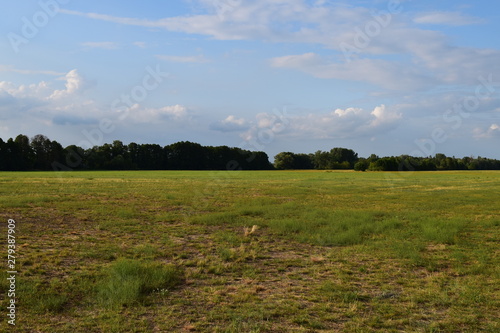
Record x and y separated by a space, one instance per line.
384 77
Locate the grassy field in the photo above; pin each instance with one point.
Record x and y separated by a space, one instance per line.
178 251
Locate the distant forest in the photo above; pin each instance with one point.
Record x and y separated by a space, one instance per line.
40 153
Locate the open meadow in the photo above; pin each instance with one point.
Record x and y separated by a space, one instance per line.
253 251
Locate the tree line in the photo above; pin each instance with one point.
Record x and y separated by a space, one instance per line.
343 158
40 153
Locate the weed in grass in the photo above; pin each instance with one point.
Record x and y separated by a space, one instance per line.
226 254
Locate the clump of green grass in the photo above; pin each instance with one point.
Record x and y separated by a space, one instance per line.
128 281
442 231
40 297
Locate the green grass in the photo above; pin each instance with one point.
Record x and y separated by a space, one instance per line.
128 281
332 251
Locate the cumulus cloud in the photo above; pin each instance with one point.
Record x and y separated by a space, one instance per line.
74 84
41 90
69 106
17 101
347 112
38 90
141 114
337 124
230 124
41 102
382 115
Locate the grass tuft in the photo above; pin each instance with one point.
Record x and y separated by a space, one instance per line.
128 281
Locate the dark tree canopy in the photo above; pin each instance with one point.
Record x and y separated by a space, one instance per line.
287 160
40 153
342 158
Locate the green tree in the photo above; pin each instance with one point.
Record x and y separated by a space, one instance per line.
3 155
340 155
26 157
361 165
74 157
284 161
42 147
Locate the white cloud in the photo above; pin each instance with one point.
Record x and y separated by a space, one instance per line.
183 59
447 18
74 84
230 124
347 112
337 124
23 91
48 106
384 116
398 55
43 104
233 120
175 111
238 20
140 114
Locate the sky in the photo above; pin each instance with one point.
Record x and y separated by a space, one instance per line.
385 77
